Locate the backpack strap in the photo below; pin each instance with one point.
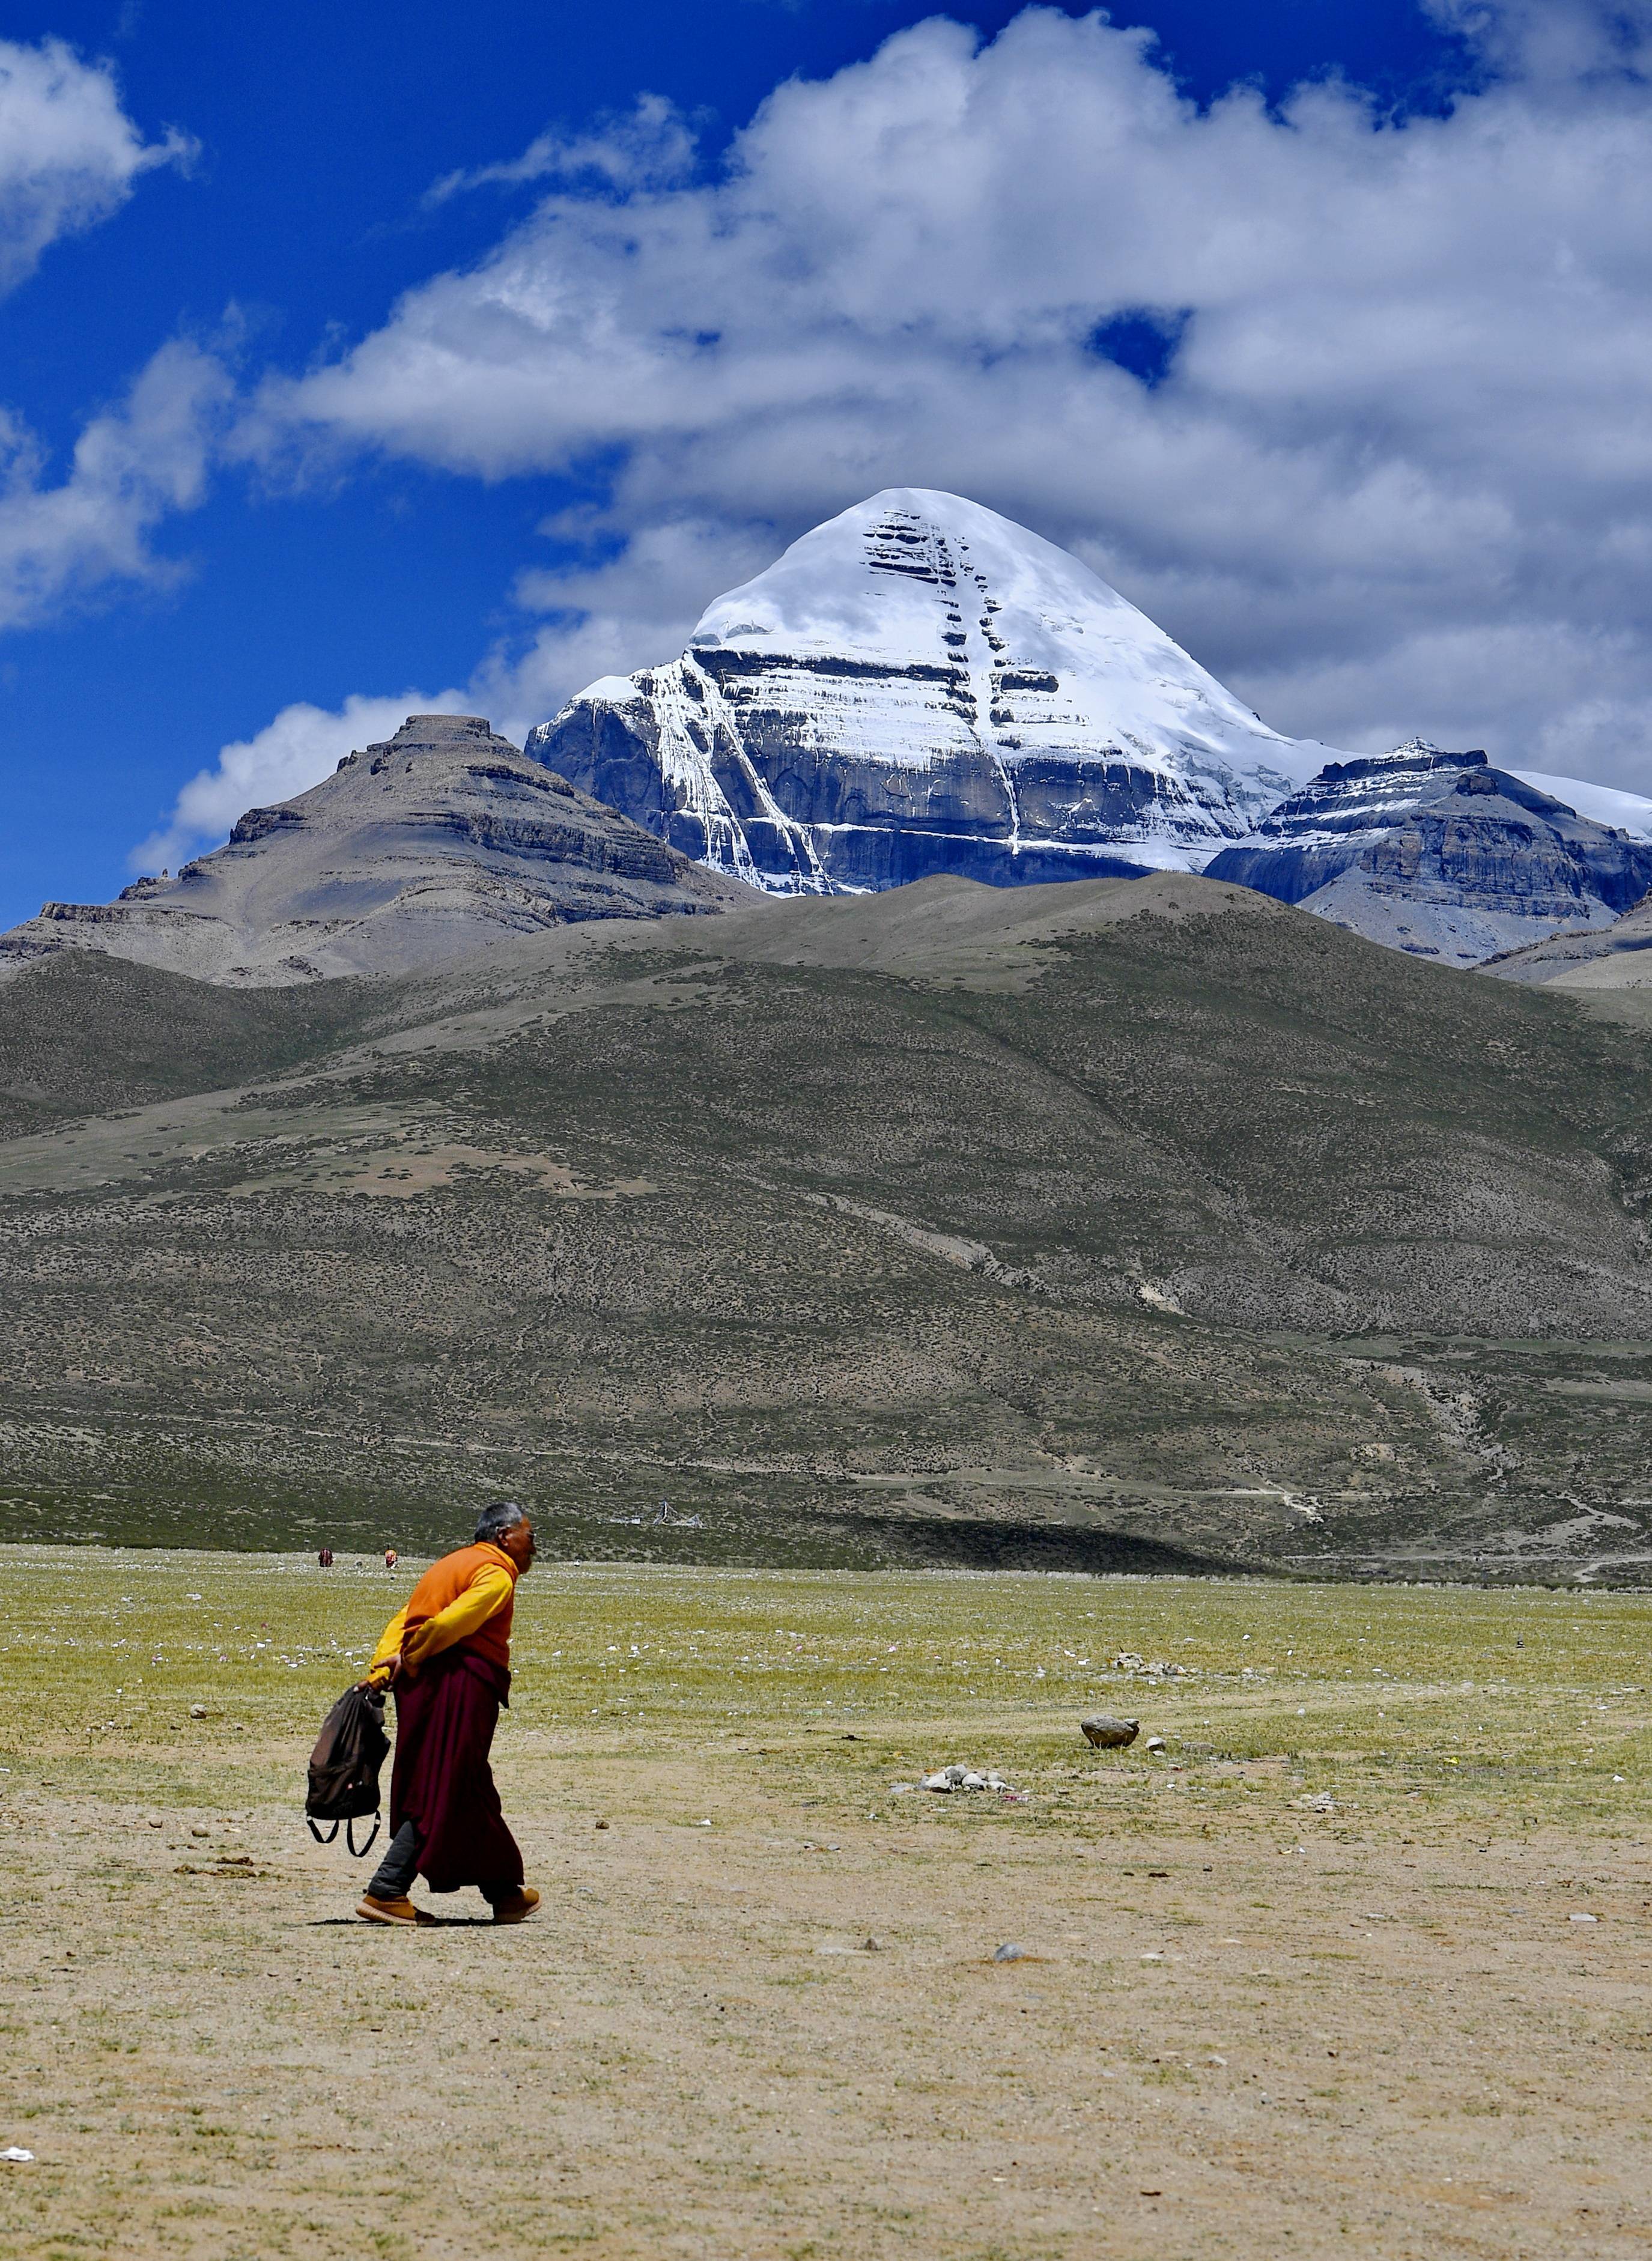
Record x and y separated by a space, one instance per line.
316 1834
360 1851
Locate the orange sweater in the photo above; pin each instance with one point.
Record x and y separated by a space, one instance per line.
467 1599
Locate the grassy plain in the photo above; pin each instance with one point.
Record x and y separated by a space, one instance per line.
759 2015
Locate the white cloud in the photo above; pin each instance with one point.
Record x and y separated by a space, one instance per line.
622 613
650 148
69 158
132 466
69 153
288 756
1401 458
1557 41
609 617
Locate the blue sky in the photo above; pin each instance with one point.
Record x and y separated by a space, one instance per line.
421 360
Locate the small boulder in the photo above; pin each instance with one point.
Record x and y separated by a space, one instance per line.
1108 1733
1008 1952
1154 1743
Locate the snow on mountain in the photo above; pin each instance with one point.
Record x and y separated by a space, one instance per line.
1602 804
921 686
1347 808
1440 854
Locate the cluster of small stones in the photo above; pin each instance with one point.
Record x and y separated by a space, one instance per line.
947 1779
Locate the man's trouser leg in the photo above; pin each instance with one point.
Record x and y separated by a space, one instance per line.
396 1871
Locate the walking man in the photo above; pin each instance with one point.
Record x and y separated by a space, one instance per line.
448 1657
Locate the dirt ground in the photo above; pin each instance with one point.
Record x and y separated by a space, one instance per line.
1312 1981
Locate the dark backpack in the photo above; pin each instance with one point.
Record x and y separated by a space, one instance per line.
344 1767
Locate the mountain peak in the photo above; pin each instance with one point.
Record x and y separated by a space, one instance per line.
1440 854
905 575
914 576
418 849
920 685
439 733
1424 749
1366 789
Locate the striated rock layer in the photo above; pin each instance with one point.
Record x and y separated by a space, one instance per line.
1617 958
417 849
920 687
1440 854
1348 808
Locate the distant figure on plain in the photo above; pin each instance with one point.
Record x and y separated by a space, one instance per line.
325 1558
390 1558
448 1657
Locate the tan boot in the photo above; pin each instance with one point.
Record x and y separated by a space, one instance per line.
401 1911
518 1908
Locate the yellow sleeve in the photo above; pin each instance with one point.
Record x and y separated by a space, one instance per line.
389 1647
488 1591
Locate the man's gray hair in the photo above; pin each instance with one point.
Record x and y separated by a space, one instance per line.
494 1522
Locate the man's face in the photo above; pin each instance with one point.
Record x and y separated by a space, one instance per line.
517 1543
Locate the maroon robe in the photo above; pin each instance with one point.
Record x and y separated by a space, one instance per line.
443 1782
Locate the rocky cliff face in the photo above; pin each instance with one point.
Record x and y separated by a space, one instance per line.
1440 854
1351 806
921 686
430 844
1617 956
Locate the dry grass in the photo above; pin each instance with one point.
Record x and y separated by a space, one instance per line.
1244 2027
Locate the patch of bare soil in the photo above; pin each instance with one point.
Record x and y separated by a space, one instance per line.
749 2021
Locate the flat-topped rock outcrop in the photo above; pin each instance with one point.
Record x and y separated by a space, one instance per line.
1440 854
417 849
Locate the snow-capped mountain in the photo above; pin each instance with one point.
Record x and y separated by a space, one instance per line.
1349 807
1629 813
921 685
1440 854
